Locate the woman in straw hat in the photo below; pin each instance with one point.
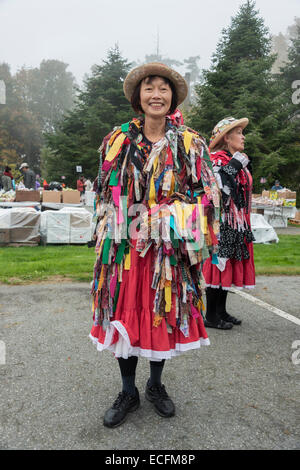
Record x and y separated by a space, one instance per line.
147 299
234 265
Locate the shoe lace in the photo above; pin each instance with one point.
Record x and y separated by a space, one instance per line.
119 400
161 392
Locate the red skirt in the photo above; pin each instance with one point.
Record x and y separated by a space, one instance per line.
236 273
131 331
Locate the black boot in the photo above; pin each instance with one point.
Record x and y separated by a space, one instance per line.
212 319
123 405
221 309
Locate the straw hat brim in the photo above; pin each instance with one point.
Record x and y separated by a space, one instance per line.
155 68
243 122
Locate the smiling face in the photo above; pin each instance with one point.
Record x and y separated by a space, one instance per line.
235 140
155 97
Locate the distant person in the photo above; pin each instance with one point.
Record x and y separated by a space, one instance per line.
7 172
28 176
80 186
235 261
277 186
6 183
37 182
1 174
88 185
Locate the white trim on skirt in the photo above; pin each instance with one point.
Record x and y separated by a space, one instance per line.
122 348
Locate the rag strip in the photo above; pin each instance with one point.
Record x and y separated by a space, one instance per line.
178 220
235 229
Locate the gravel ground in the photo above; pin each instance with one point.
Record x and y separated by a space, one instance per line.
239 393
290 230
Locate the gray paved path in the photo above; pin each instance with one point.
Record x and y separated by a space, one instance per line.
242 392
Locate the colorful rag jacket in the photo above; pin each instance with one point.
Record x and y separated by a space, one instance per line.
172 188
235 183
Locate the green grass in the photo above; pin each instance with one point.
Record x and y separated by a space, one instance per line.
33 264
278 258
21 264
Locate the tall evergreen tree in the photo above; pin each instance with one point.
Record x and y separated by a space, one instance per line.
240 84
100 106
20 137
47 92
284 163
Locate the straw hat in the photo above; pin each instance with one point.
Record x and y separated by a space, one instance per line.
155 68
224 126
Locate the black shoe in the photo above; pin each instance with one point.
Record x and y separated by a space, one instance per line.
230 319
123 405
219 324
163 404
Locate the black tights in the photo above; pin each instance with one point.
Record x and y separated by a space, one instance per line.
128 368
215 303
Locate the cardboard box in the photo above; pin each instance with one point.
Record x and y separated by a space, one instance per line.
4 218
71 197
287 194
58 235
80 235
52 196
266 194
4 236
24 235
89 197
289 202
258 211
58 219
22 217
22 196
80 219
273 195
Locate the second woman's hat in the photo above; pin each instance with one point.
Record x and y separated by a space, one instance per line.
224 126
155 68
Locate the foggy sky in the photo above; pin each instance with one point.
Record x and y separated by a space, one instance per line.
80 32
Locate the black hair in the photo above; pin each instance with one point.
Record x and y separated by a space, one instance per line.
136 100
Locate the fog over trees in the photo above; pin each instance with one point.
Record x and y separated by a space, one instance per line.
53 124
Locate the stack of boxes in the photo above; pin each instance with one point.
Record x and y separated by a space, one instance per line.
55 227
68 225
64 197
288 197
4 226
20 226
80 225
